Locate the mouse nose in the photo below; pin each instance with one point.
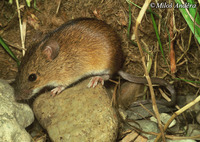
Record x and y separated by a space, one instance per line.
22 94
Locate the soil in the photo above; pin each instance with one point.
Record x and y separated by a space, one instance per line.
115 13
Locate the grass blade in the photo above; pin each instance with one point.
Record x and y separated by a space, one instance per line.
9 51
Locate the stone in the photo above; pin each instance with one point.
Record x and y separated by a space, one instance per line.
14 117
164 117
147 126
78 114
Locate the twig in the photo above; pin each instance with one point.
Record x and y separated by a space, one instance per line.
172 53
147 110
179 112
22 33
59 2
138 21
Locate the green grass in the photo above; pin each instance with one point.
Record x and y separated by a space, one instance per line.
5 46
158 37
193 14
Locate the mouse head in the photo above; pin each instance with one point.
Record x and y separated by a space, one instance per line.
36 69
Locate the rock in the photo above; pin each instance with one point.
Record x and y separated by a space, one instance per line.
198 117
129 93
164 117
133 136
37 132
190 98
193 130
138 112
14 117
147 126
78 114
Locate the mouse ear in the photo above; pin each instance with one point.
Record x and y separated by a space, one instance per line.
50 50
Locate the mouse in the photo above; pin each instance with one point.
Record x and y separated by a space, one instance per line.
78 49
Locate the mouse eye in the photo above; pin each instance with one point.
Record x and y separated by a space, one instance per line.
32 77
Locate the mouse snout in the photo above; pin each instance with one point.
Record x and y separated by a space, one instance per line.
22 94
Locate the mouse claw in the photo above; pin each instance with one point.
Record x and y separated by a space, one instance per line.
94 81
57 90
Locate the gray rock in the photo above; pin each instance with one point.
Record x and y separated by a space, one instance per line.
78 114
193 130
198 117
138 112
190 98
164 117
147 126
14 117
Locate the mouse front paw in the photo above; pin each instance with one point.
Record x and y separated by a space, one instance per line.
57 90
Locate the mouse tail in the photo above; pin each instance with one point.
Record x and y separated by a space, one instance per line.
154 80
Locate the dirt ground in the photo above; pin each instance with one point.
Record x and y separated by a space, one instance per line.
115 13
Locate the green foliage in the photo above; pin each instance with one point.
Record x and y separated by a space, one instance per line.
5 46
191 16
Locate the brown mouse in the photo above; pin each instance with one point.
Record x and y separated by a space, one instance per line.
78 49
